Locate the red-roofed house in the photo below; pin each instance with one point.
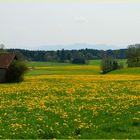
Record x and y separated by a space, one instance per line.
5 61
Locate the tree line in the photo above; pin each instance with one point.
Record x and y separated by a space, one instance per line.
73 56
133 55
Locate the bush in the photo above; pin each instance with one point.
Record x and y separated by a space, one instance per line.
79 61
109 64
16 71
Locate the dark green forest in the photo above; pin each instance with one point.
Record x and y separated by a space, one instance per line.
68 55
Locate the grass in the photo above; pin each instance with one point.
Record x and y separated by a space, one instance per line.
70 102
98 62
53 68
44 64
65 70
127 71
93 68
95 62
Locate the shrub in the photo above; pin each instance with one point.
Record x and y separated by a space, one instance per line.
109 64
79 61
16 71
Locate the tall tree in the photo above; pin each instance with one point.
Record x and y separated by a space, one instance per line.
133 55
62 56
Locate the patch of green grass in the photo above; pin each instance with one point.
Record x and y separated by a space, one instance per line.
53 68
135 70
44 64
98 62
90 62
95 62
64 70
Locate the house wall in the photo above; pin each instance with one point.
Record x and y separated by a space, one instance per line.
2 75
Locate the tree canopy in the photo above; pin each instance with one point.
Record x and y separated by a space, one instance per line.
68 55
133 55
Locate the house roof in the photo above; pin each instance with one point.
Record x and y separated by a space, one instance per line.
6 60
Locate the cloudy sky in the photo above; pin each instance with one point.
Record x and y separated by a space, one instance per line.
32 24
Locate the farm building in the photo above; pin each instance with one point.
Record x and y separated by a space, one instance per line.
5 62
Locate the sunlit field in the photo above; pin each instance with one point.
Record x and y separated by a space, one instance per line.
53 68
71 102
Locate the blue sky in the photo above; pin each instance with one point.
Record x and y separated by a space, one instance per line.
31 25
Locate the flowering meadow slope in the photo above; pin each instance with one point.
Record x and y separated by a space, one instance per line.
72 106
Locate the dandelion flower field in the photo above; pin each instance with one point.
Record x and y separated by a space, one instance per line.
71 106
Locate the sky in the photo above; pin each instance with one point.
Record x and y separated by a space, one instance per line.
44 24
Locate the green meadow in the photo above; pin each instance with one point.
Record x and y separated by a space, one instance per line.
65 101
92 68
